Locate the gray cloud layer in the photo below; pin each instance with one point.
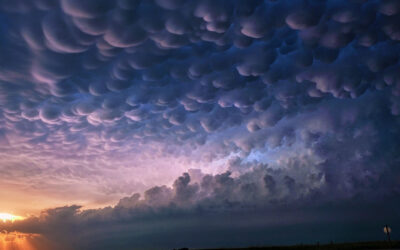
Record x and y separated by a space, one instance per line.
263 206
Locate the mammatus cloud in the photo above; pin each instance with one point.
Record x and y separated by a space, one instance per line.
299 100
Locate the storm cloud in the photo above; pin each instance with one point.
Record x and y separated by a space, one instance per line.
278 104
262 206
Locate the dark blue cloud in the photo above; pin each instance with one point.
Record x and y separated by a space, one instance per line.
305 93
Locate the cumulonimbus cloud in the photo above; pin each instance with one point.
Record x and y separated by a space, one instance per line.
121 86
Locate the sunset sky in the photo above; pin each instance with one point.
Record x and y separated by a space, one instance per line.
159 124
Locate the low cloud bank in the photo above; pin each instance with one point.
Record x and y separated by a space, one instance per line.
261 206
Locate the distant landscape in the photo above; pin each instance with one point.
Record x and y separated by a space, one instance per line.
353 245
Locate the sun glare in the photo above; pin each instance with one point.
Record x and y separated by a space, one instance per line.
9 217
21 241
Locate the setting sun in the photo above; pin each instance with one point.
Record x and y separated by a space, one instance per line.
9 217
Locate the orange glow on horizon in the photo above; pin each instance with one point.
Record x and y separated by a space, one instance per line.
18 241
9 217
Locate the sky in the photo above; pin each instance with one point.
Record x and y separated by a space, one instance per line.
159 124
